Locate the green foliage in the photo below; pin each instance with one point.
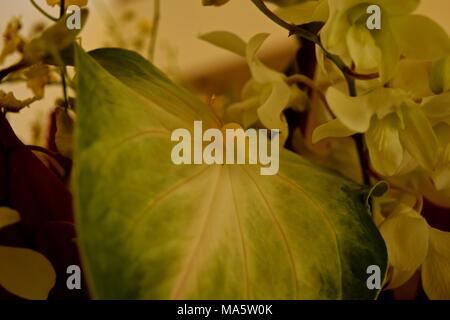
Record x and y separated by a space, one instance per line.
153 230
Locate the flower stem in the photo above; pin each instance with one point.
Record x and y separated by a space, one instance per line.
293 29
308 35
155 28
359 138
62 8
348 73
16 67
363 159
63 72
45 151
33 2
300 78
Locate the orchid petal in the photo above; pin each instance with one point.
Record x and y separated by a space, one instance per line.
226 40
331 129
383 142
403 230
353 112
418 136
435 270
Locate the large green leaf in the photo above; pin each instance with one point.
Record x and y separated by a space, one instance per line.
152 230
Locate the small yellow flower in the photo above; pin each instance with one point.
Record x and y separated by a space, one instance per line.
9 102
12 41
395 128
346 35
37 77
267 94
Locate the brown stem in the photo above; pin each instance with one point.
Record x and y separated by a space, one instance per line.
349 74
16 67
299 78
45 151
155 28
361 76
363 157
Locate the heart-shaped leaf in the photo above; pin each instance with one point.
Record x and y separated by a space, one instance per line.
150 229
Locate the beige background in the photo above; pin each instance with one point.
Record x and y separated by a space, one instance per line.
182 21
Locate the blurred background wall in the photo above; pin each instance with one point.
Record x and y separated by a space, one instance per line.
179 51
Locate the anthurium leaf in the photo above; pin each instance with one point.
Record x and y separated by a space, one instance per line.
152 230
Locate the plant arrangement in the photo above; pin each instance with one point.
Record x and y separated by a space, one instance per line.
356 131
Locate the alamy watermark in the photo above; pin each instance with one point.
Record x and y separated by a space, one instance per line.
374 20
374 280
73 21
229 145
73 281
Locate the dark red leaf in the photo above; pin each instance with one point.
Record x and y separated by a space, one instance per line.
45 207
